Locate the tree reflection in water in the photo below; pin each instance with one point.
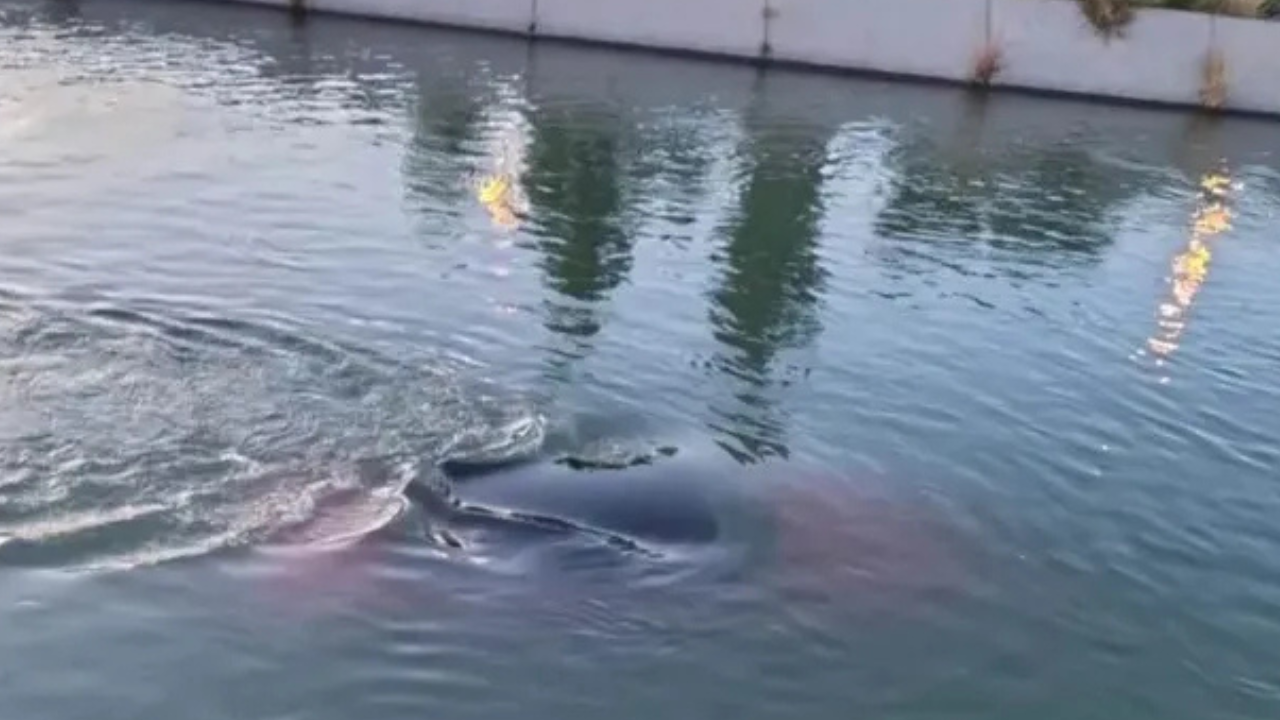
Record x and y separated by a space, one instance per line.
1012 212
770 281
581 215
447 132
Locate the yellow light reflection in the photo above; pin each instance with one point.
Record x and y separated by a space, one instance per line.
496 193
1190 267
499 191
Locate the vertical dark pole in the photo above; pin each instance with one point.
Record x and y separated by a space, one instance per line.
990 22
767 13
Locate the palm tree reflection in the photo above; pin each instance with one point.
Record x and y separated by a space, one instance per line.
1037 208
449 125
771 279
581 214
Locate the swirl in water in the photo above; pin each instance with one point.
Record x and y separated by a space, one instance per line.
136 437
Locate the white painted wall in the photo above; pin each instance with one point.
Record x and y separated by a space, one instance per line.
931 38
1048 44
1251 50
727 27
1044 44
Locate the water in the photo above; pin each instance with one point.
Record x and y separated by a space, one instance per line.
949 408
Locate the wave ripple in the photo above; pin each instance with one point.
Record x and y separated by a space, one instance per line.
136 436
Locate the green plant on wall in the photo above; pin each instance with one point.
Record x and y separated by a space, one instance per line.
1213 85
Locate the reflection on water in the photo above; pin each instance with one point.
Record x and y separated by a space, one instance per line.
677 152
1190 267
499 190
450 118
1010 204
582 212
499 193
770 278
575 181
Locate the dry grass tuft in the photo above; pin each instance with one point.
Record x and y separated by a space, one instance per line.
987 64
1238 8
1108 17
1213 86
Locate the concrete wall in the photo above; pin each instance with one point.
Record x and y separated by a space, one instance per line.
930 38
1043 44
1252 53
1051 46
723 27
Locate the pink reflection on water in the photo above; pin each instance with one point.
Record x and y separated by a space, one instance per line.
371 574
838 543
305 580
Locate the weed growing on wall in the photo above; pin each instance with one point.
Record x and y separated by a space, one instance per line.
1213 86
1109 17
1239 8
987 63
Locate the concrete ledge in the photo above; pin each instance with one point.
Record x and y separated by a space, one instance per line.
505 15
1043 45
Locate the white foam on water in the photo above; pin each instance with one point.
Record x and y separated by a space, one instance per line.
73 523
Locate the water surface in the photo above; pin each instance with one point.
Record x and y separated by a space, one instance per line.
969 403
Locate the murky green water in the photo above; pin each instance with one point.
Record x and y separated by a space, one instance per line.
940 408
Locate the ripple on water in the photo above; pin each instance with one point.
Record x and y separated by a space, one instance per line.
137 436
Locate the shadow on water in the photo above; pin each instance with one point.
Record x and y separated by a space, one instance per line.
771 277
